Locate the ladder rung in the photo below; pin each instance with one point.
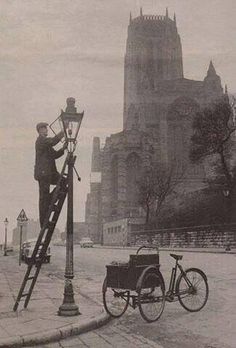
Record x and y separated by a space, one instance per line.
30 278
55 208
51 223
24 295
62 193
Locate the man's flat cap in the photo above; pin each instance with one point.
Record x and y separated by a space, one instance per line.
40 125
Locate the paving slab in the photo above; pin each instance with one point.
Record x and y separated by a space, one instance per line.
40 324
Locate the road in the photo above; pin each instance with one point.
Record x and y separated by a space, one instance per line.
213 327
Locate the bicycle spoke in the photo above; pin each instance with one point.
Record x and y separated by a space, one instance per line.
151 300
115 301
193 297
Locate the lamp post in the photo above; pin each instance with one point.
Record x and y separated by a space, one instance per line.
70 121
226 194
6 222
22 218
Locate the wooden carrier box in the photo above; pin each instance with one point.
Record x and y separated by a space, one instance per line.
126 275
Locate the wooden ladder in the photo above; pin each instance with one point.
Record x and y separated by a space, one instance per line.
44 238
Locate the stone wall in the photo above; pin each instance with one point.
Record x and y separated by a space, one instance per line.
208 236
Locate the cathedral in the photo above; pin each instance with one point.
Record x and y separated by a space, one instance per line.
159 106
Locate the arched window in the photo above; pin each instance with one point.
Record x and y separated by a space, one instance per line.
133 167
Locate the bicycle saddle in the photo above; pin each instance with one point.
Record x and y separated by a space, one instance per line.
177 257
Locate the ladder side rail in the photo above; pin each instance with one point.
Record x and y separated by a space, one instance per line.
54 199
58 196
43 251
51 229
56 193
65 164
38 263
38 267
22 288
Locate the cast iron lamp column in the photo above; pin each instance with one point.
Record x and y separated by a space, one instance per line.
71 121
68 307
5 244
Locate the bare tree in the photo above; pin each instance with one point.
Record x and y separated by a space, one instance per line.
147 194
155 185
213 127
233 107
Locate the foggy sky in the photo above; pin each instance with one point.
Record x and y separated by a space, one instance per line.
52 49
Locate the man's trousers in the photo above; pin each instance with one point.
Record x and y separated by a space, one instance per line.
45 195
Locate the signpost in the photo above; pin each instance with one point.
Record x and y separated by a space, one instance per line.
22 218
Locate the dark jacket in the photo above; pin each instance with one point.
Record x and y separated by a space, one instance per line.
45 165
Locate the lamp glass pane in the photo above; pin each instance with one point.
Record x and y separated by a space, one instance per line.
71 124
57 126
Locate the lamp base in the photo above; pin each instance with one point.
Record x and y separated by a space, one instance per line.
68 307
68 310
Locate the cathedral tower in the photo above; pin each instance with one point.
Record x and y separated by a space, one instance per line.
159 107
153 54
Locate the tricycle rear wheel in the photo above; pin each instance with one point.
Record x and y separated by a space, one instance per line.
115 301
151 296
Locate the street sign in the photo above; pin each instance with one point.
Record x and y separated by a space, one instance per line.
22 217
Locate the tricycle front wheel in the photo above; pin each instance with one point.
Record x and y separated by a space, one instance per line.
151 296
192 289
115 301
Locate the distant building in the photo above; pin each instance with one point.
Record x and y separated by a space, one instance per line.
93 216
119 232
159 105
80 230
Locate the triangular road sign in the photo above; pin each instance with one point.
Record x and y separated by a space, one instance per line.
22 216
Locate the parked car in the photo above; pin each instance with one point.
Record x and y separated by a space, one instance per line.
86 243
28 248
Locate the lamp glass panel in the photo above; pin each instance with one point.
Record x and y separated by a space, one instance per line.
71 125
57 126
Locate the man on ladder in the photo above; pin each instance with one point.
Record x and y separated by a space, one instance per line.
45 171
50 204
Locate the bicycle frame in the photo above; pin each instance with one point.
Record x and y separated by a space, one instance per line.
171 293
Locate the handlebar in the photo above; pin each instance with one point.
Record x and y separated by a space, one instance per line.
147 247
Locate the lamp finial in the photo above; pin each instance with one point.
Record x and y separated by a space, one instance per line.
70 101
